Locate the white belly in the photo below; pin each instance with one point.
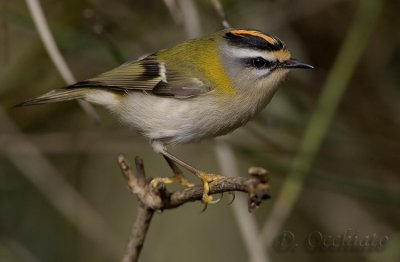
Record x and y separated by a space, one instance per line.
174 121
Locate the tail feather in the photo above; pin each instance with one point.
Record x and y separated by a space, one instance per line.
57 95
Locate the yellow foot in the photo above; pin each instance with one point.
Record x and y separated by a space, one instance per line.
179 179
207 179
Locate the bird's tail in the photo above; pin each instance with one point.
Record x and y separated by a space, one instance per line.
57 95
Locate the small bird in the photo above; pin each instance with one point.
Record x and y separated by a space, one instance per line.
201 88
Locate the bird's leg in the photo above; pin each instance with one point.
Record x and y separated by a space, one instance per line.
176 178
206 178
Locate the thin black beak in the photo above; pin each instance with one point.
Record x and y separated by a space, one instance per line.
294 63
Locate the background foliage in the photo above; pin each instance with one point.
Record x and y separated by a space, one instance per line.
353 183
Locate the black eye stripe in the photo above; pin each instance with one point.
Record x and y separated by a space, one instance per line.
259 63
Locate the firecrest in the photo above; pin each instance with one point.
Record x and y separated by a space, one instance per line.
201 88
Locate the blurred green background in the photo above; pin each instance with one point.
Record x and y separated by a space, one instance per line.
62 197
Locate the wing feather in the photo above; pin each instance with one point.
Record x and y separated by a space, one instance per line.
149 75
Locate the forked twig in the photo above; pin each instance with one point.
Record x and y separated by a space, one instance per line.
158 199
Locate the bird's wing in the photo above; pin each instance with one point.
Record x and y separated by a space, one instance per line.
149 75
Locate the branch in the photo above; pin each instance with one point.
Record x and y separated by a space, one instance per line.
158 199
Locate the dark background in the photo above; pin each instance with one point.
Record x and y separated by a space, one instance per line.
353 183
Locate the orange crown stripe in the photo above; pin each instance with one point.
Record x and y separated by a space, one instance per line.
254 33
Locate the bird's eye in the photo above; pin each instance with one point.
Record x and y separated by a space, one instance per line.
259 62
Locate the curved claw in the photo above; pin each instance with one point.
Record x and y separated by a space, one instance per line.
212 202
233 197
204 208
217 200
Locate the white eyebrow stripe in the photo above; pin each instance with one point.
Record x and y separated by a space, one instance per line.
246 53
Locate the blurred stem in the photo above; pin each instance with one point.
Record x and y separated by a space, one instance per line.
55 55
333 90
247 223
174 11
191 18
220 11
37 169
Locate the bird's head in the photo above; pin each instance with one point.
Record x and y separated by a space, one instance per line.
256 60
